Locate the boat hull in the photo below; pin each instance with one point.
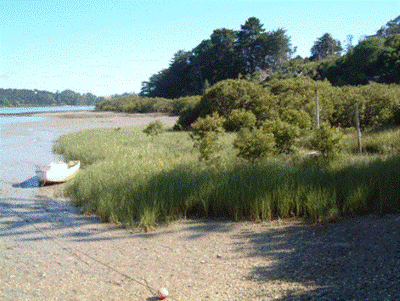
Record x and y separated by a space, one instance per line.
57 172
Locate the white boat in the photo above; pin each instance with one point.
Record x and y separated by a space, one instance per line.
57 172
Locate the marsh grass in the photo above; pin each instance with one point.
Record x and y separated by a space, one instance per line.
135 179
383 141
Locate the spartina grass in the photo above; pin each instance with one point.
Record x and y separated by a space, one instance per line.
133 179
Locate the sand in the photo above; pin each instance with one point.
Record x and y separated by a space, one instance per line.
50 251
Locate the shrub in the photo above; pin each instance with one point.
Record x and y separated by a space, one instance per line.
285 134
210 123
205 133
254 143
295 93
231 94
297 117
228 95
326 140
240 118
154 128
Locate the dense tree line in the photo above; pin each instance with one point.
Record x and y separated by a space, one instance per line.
376 58
253 52
23 97
227 54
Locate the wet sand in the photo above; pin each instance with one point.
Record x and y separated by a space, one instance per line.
50 251
23 145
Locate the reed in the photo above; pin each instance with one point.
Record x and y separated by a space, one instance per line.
135 179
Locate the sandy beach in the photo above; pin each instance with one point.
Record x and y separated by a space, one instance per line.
50 251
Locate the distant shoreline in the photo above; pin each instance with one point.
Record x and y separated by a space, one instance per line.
26 111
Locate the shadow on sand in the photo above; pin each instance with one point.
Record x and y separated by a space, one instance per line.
30 183
355 259
41 218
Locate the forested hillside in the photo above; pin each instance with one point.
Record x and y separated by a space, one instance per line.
22 97
230 54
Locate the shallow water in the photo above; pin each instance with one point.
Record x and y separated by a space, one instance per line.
27 114
21 151
31 110
27 144
5 119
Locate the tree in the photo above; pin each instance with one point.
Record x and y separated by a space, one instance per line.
172 82
374 59
224 57
349 43
391 28
248 42
325 46
275 48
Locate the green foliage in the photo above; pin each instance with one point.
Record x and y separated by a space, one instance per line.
136 104
374 59
154 128
259 49
384 141
285 133
378 104
205 132
325 46
298 94
391 28
225 55
125 179
240 118
292 101
326 140
299 118
229 95
210 123
23 97
254 144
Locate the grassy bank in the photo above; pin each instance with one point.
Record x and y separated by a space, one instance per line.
135 179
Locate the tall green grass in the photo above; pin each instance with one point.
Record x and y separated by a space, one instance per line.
131 178
382 141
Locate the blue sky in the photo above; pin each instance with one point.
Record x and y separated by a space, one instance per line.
110 47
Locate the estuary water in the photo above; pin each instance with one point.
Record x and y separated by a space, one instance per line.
28 114
27 143
26 139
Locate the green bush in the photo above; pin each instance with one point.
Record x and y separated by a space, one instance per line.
231 94
254 144
378 105
205 132
240 118
286 134
326 140
297 117
298 94
228 95
136 104
154 128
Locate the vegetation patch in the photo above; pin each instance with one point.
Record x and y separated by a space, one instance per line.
135 179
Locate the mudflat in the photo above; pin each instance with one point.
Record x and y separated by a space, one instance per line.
50 251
